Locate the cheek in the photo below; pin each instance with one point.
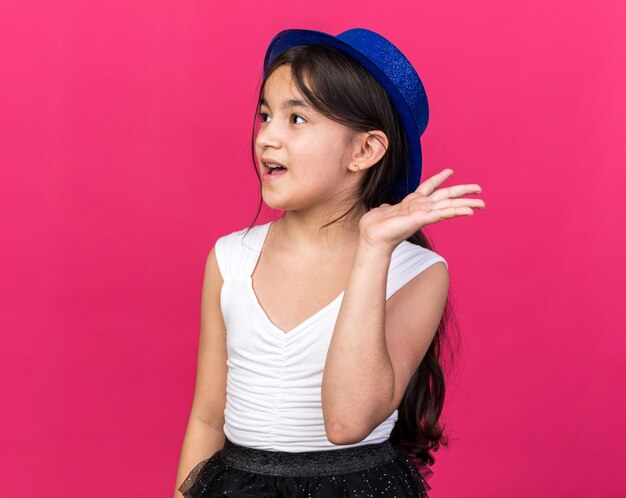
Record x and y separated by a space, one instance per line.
321 160
323 171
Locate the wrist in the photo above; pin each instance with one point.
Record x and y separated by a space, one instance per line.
369 250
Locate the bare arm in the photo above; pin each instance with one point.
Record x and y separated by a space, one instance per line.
204 434
377 345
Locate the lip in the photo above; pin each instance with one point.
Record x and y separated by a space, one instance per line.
265 160
266 177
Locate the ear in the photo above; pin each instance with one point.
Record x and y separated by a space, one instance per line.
369 148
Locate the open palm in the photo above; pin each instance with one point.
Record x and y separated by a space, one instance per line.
388 225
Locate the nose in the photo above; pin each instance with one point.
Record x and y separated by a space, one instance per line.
268 136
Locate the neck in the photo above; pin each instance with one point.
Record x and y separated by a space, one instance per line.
304 231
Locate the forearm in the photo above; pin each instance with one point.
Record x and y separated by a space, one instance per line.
201 441
358 381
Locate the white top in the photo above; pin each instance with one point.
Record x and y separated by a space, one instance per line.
273 394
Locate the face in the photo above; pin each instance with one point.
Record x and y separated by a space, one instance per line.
313 149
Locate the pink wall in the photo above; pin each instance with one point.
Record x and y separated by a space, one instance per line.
124 148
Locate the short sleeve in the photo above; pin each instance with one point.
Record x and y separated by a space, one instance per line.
222 249
408 261
233 255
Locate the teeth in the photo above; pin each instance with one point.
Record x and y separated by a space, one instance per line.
272 165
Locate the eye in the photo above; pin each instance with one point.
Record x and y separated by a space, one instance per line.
298 116
262 116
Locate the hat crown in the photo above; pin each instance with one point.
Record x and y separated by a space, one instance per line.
395 65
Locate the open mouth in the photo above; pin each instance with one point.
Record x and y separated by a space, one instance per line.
273 169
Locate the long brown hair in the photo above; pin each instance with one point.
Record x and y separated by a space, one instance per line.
343 90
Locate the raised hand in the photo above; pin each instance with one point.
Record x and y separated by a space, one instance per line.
387 225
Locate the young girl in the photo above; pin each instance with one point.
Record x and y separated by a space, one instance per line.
318 371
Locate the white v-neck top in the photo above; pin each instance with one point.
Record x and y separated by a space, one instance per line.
273 394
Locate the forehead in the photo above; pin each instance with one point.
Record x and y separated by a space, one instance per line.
280 89
281 79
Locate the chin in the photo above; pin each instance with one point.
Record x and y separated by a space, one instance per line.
273 202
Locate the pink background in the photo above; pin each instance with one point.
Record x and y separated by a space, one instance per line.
124 148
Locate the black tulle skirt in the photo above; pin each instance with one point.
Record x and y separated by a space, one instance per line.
372 470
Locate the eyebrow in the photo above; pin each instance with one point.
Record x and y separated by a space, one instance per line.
289 103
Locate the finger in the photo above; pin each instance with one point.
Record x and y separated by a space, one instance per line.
428 186
447 213
464 202
456 191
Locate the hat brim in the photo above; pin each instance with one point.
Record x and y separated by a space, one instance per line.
295 37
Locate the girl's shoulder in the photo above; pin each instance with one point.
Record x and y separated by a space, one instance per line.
242 238
235 249
407 261
408 252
